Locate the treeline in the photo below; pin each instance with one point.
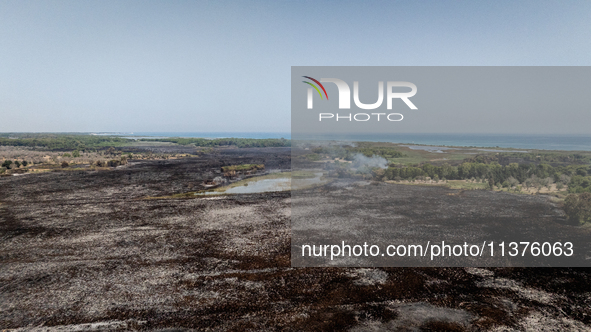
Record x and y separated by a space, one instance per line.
65 142
238 142
577 177
541 157
9 164
85 142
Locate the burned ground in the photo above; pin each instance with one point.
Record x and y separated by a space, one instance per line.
86 250
385 214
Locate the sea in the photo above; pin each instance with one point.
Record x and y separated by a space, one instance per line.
521 141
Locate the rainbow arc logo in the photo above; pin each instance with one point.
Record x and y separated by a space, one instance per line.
315 87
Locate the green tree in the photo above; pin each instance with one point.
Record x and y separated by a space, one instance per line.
513 182
578 207
564 179
7 164
579 184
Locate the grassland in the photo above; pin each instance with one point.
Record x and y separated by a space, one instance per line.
244 167
451 184
422 156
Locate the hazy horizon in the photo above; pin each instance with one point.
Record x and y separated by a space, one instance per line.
130 132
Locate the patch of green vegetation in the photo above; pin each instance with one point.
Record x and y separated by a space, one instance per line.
580 184
530 175
508 170
452 184
562 157
459 184
62 142
387 152
6 164
409 159
84 141
348 152
422 156
244 167
578 208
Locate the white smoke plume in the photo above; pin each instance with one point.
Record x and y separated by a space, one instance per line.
362 162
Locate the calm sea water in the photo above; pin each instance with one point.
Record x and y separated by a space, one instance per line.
539 142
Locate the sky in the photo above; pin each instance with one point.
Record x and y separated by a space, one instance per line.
224 66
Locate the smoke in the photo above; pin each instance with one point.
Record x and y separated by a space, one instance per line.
361 162
343 144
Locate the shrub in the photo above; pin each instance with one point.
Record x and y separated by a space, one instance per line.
65 164
378 173
578 207
7 164
579 184
245 167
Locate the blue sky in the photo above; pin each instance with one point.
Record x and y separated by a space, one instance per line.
191 66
